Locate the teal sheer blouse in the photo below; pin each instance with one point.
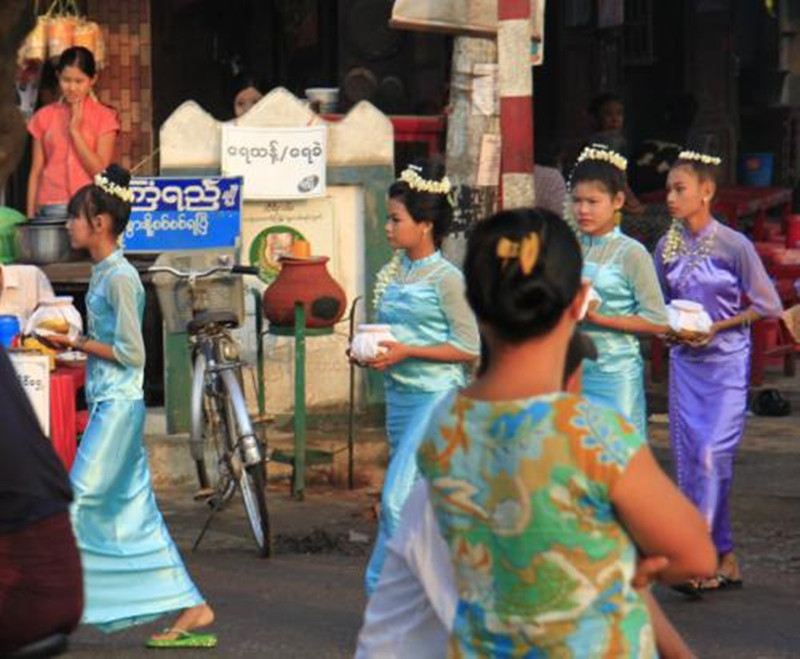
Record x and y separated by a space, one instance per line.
624 275
425 306
115 308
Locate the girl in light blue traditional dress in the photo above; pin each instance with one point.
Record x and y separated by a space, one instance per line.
133 572
623 275
421 296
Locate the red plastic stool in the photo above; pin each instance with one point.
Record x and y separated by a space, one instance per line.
770 340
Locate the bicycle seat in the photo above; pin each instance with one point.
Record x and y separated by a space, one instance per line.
205 318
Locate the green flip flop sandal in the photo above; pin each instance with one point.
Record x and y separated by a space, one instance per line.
185 639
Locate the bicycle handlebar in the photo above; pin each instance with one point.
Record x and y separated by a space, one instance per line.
245 270
199 274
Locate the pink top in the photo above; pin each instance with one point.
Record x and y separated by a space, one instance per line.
63 174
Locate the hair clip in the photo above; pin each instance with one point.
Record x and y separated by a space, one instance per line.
703 158
525 250
114 189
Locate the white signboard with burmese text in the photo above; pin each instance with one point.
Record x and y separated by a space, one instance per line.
33 372
276 163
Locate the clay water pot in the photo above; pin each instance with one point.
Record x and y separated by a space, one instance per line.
305 280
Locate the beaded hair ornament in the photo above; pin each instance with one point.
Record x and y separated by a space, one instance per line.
114 189
526 251
602 153
696 156
411 176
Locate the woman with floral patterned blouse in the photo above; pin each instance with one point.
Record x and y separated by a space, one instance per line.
543 498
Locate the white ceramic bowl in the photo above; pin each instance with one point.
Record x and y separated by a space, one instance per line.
366 342
688 316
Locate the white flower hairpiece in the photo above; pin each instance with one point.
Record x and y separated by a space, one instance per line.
411 176
114 189
601 153
700 157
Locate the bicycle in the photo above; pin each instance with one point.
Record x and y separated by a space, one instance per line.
219 411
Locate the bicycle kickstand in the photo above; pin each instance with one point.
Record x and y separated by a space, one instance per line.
217 505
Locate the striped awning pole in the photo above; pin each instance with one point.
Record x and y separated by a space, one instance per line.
516 102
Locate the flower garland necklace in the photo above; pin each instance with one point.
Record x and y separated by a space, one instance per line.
388 274
675 246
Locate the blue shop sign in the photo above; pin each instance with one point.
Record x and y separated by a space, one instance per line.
177 214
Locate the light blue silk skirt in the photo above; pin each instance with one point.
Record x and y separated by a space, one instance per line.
622 391
407 416
132 570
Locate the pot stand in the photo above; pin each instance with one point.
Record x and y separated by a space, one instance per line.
301 456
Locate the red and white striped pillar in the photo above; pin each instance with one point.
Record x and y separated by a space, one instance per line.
516 102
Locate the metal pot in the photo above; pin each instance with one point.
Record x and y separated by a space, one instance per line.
44 242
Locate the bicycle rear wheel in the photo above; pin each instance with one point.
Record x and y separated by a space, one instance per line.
221 478
210 429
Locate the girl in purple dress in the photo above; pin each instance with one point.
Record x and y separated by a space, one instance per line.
702 260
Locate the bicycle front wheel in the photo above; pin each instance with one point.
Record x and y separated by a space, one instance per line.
251 477
252 484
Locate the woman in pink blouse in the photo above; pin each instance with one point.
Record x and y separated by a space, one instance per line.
73 138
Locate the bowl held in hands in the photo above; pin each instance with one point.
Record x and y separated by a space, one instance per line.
366 342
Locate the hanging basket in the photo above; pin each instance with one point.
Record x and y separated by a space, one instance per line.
60 35
89 35
86 35
100 49
61 27
34 48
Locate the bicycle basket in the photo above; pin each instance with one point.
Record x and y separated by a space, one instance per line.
215 293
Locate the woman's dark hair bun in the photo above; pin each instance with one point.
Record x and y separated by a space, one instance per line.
92 200
117 174
516 305
431 207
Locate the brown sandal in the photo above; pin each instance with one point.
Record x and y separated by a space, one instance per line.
721 581
692 589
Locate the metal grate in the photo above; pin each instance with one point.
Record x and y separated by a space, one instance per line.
639 46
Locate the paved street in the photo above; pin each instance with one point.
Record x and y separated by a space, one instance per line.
298 604
307 602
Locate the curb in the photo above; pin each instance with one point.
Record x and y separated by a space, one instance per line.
171 463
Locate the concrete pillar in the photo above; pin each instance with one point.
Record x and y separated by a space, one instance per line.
516 102
465 131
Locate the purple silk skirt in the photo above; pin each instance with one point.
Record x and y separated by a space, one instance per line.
707 408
